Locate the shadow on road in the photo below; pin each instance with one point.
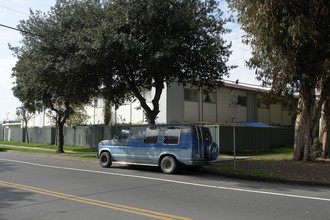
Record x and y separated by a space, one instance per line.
10 197
5 166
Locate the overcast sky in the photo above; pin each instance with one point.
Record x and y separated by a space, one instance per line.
12 11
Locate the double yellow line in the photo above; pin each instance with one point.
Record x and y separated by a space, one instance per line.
137 211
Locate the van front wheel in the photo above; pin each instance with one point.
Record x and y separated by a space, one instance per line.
168 164
105 159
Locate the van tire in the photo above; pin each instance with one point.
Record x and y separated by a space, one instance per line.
168 165
105 159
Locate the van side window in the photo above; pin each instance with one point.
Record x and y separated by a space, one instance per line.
123 134
172 135
151 136
137 132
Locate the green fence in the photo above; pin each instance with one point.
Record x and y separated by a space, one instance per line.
251 138
247 138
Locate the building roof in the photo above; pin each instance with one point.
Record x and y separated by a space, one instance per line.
243 87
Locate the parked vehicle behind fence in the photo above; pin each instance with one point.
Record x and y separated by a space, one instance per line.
166 146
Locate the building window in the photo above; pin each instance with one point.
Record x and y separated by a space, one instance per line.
262 105
209 97
100 103
97 102
241 100
191 95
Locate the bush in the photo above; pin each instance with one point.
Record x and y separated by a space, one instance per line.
317 147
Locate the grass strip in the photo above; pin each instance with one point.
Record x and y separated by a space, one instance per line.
48 146
28 150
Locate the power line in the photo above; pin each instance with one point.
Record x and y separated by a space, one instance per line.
16 29
13 10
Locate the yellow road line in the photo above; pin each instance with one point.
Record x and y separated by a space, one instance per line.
151 214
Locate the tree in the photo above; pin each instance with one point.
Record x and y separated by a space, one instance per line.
79 117
290 48
24 116
50 72
148 43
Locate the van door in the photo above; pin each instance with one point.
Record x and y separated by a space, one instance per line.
204 139
119 145
198 151
142 149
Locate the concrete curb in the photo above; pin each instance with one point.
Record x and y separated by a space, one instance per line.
268 179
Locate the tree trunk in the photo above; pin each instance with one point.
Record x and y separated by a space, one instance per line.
60 137
151 114
26 131
151 117
303 128
325 129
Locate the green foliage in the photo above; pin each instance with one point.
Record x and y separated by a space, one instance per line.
149 42
317 147
79 117
289 40
51 71
107 112
290 52
121 47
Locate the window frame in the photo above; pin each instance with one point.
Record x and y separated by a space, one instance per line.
120 131
189 99
205 94
146 133
178 136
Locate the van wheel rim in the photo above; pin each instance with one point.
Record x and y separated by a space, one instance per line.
168 164
104 159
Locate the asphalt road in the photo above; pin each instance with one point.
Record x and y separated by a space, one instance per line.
43 187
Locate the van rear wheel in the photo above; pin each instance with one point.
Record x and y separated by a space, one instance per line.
168 164
105 159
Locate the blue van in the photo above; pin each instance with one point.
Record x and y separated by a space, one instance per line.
166 146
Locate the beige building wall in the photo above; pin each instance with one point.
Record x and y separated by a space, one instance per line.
275 114
191 111
287 118
223 102
263 115
209 112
